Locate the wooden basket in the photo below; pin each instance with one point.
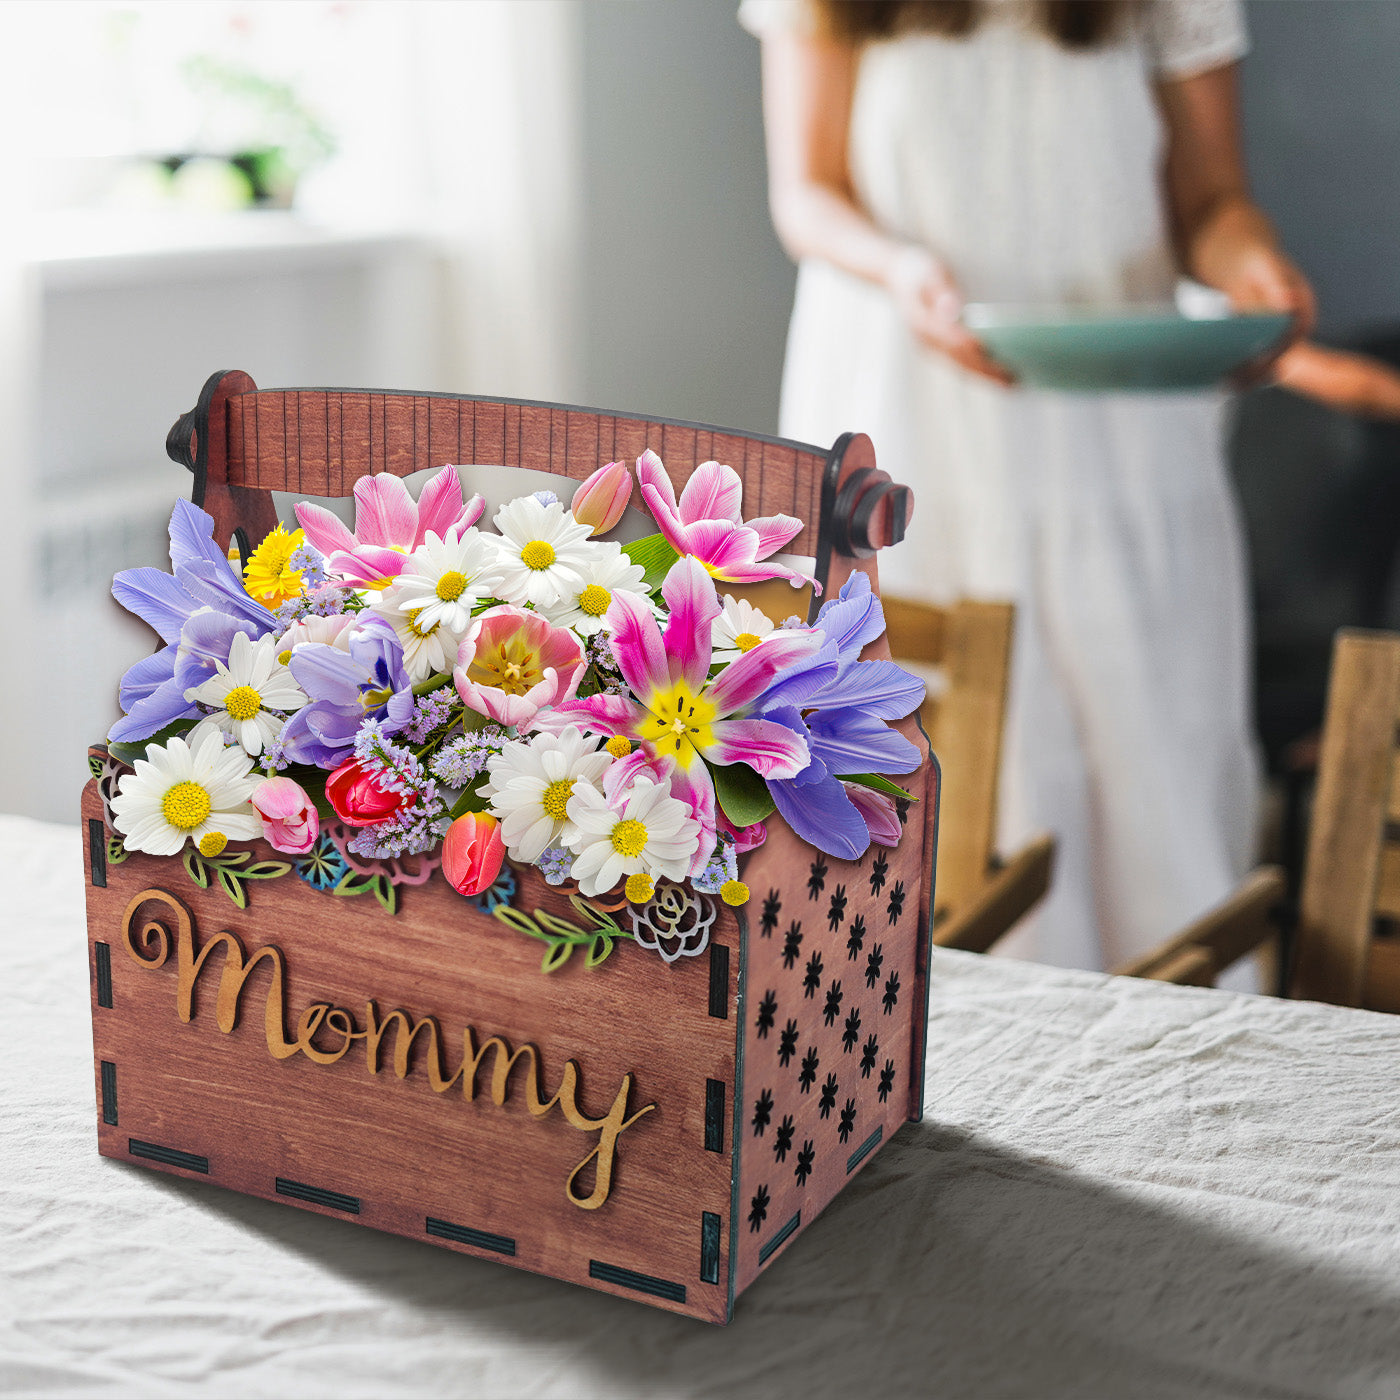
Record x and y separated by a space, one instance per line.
661 1132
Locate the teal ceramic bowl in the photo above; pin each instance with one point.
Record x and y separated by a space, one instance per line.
1099 351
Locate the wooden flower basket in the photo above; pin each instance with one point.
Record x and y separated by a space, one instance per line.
659 1131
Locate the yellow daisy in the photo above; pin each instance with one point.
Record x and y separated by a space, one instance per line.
268 576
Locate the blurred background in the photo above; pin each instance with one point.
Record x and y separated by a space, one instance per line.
548 199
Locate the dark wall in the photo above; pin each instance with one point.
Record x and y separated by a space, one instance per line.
1322 120
686 295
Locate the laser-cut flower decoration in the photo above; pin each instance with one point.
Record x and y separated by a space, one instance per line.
762 1112
896 905
828 1096
767 1011
836 911
501 892
832 1009
874 964
846 1125
772 907
855 938
891 996
802 1169
816 882
674 922
782 1144
792 943
813 978
868 1051
787 1044
851 1033
810 1063
758 1209
887 1080
878 871
322 867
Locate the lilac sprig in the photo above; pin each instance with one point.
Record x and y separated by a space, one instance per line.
417 826
554 864
460 762
430 712
605 667
310 563
722 866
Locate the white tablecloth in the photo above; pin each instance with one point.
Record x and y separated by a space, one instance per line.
1120 1189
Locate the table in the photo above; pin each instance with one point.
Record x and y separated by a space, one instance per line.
1119 1189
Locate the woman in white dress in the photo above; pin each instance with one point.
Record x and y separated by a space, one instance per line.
1030 152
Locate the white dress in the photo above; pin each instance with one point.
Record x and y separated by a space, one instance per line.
1109 520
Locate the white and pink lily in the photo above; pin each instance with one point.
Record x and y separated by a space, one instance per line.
678 712
706 523
389 525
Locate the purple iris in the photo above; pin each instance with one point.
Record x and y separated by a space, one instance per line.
197 612
840 704
346 688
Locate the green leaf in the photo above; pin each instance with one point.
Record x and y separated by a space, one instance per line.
233 887
470 800
879 784
265 870
229 858
195 867
521 923
386 894
129 753
742 794
556 955
561 927
598 949
116 851
655 555
353 883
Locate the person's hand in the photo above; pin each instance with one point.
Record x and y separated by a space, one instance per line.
928 300
1343 381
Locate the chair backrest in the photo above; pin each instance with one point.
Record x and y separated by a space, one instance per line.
1351 887
242 443
970 645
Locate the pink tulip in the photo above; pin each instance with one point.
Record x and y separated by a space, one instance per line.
472 852
513 664
879 811
603 497
290 823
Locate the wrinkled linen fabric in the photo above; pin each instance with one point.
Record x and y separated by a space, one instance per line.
1120 1189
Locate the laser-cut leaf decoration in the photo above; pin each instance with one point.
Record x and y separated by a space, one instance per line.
561 936
557 954
598 949
353 883
95 766
195 868
265 870
385 893
233 887
116 851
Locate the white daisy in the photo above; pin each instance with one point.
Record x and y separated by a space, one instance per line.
244 693
530 784
444 580
650 833
740 627
187 792
427 650
606 571
542 551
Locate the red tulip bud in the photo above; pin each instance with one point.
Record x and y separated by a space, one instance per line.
472 852
357 798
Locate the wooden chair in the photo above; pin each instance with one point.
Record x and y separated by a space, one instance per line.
978 896
1348 950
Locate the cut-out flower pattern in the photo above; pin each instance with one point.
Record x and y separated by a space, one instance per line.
878 871
846 1125
810 1063
322 867
758 1209
836 910
828 1096
851 1033
792 943
886 1080
868 1051
855 938
816 882
896 905
813 978
787 1043
891 996
782 1144
772 907
762 1112
802 1168
874 964
832 1009
767 1012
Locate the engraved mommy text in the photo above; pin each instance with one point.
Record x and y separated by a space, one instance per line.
149 945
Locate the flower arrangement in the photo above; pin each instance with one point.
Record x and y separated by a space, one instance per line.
422 691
